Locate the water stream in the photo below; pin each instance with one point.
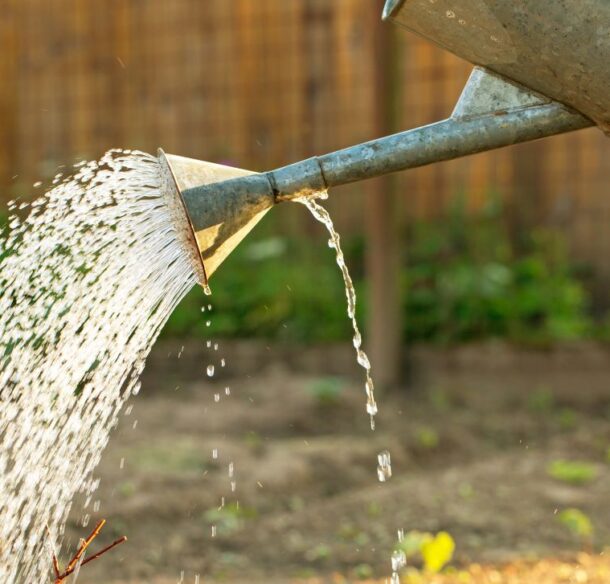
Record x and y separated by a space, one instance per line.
323 216
87 279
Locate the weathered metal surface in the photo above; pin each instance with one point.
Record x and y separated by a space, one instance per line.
486 92
452 138
560 48
219 220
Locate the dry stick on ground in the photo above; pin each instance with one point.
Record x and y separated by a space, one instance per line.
75 562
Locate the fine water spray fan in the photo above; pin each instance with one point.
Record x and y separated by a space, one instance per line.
541 68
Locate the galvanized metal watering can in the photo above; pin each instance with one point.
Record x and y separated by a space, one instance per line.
542 68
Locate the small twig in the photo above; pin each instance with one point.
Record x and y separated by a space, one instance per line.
106 549
77 559
83 547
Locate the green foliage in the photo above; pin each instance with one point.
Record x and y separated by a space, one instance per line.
576 522
318 553
326 390
572 472
567 419
427 438
230 518
270 288
463 278
363 572
468 279
436 551
541 401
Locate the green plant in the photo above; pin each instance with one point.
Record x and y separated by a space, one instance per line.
363 572
229 518
326 390
466 276
541 400
427 438
318 553
576 522
567 418
573 472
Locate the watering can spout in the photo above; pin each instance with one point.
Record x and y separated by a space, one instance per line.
540 70
216 224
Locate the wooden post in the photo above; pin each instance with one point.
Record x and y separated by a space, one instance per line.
382 235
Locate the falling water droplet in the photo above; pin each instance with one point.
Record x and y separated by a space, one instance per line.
216 397
384 468
210 370
215 453
399 560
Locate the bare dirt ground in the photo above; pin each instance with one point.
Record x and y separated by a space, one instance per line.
471 439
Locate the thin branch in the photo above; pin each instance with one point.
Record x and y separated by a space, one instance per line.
78 560
83 547
106 549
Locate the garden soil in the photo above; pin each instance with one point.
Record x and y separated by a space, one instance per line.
472 433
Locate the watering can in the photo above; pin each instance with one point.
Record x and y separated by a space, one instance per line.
541 68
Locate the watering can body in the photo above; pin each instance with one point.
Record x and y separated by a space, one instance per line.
559 48
541 68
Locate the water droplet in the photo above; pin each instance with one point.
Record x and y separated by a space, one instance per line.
222 362
208 322
215 453
213 531
399 560
216 397
227 391
210 370
207 290
450 14
384 468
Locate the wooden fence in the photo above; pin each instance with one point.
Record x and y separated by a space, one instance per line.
260 83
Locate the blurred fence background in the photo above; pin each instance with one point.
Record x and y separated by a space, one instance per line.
261 83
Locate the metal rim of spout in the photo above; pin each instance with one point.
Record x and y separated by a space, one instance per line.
173 183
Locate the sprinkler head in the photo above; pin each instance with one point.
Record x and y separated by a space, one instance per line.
218 219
